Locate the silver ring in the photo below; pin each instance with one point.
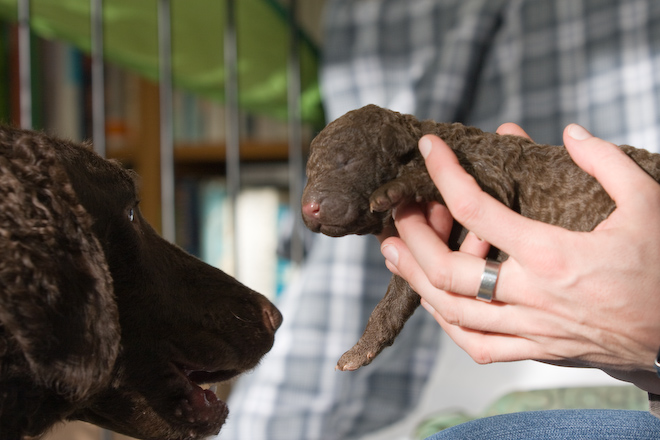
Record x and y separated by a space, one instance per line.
489 280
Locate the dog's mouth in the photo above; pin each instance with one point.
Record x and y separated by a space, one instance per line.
200 405
341 231
332 230
201 377
352 223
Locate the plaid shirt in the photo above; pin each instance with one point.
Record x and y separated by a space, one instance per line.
539 63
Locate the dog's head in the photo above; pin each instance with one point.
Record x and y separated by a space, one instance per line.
349 159
183 323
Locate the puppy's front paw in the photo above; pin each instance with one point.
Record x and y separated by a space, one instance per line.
353 359
389 196
359 355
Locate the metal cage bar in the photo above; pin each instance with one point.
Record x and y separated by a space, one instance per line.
98 77
24 64
232 124
296 165
166 120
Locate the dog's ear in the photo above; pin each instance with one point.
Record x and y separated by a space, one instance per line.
56 296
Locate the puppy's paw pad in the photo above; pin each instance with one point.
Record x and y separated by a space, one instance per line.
388 196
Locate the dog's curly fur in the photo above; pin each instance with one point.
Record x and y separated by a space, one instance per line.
100 318
366 162
59 329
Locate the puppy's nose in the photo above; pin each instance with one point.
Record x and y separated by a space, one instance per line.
272 318
311 209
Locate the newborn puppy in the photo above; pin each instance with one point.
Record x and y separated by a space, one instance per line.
366 163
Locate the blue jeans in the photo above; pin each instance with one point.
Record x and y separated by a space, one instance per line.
559 425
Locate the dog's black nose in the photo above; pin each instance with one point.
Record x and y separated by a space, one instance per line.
272 318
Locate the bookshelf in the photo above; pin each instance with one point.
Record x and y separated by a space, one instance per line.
140 150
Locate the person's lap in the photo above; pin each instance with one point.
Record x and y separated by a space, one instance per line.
558 424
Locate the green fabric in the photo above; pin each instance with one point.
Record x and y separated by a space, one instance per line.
607 397
131 40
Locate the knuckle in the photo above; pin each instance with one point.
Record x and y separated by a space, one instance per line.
441 279
467 210
452 315
481 355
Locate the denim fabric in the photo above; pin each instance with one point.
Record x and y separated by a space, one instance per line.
579 424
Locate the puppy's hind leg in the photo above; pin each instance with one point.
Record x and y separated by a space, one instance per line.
385 323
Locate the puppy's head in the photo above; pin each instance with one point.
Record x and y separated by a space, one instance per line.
349 160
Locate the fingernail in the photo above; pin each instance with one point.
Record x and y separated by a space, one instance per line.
391 254
578 132
475 235
425 146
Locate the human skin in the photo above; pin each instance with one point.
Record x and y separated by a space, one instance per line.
584 299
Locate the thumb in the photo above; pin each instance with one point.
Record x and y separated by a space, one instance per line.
614 170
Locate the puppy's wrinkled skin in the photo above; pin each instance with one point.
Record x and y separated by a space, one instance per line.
101 319
366 163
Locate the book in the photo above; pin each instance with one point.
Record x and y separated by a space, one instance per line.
241 240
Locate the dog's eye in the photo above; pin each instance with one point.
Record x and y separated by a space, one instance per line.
131 214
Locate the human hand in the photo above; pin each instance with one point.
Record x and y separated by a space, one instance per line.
568 298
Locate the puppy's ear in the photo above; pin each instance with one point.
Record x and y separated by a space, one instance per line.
56 296
400 135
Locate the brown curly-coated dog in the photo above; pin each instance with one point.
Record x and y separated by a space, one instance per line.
101 319
366 162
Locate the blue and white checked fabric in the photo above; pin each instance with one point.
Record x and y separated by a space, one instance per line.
296 393
539 63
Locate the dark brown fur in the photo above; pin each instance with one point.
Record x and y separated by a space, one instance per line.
366 162
100 318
